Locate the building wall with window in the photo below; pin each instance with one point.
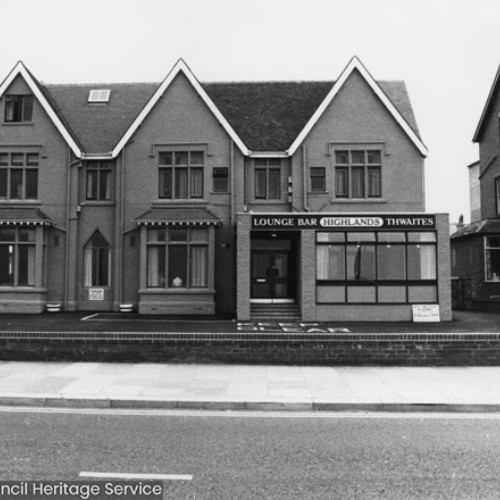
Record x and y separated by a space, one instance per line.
369 163
476 246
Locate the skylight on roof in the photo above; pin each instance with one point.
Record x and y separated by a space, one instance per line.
100 95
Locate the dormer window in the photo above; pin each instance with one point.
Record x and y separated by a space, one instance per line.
99 96
18 108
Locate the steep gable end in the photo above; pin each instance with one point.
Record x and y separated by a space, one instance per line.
180 67
494 94
39 93
356 65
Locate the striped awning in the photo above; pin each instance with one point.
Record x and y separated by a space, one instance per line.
177 216
24 217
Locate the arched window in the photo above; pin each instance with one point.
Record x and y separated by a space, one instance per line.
97 261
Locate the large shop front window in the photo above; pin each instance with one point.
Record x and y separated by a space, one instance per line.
383 267
19 176
17 257
358 174
97 261
177 258
492 258
181 175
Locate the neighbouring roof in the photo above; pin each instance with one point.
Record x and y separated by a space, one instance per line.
23 216
486 226
166 216
494 92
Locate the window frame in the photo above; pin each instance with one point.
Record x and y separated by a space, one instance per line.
19 105
17 243
216 174
488 248
268 167
166 244
23 164
322 187
91 267
352 167
102 169
346 240
171 173
497 194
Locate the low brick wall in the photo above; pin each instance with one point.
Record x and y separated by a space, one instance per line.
284 349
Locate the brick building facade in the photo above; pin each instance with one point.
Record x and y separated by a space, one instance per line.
304 198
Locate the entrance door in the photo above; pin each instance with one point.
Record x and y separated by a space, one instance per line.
270 273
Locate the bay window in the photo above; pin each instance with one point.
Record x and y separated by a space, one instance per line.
17 256
492 258
19 176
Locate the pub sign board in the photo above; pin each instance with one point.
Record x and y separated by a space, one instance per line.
330 222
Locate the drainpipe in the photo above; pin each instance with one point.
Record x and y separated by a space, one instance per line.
304 178
233 194
68 219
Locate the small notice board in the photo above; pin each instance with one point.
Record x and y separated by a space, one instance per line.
96 293
426 313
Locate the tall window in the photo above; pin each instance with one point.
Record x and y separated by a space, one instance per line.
19 176
18 108
267 181
17 257
492 258
181 174
97 261
359 267
177 258
98 180
318 179
358 174
220 180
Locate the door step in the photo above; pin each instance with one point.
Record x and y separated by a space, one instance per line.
266 312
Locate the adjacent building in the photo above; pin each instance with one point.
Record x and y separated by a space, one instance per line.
182 197
476 246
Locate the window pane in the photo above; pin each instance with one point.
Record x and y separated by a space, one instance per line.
31 184
156 234
274 162
318 179
391 262
274 184
165 180
361 294
181 158
388 237
341 182
26 235
336 237
10 109
373 157
165 158
178 234
392 294
27 107
16 183
7 235
156 266
196 183
358 237
260 183
91 184
421 262
100 267
330 262
331 294
197 158
418 294
422 237
341 157
6 264
32 159
4 159
26 265
3 183
358 157
198 267
177 265
361 262
260 162
105 185
17 159
181 183
199 235
493 241
374 182
358 182
220 182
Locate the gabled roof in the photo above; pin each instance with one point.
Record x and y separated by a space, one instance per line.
494 92
356 65
180 67
21 70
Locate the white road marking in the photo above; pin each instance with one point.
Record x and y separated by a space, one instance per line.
88 317
134 476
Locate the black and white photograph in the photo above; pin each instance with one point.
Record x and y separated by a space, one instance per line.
249 250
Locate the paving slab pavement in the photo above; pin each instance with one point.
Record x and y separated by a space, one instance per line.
251 387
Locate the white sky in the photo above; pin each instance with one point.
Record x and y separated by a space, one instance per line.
447 51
